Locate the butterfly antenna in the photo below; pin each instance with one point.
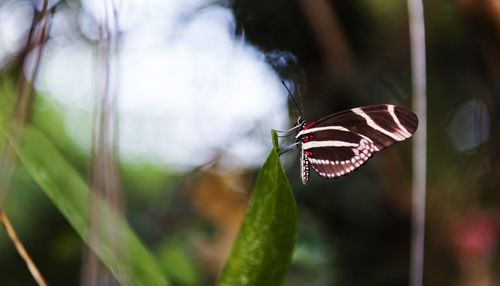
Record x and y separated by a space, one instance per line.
293 99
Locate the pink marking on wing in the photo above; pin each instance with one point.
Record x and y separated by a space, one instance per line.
309 125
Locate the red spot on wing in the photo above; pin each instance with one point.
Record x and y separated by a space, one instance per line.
309 125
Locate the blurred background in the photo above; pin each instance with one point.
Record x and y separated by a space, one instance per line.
198 88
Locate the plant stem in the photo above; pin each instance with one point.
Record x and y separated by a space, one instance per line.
417 39
21 250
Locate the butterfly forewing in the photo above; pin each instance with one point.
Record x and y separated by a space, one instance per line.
337 144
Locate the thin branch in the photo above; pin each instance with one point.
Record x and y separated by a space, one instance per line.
21 250
104 175
37 38
417 39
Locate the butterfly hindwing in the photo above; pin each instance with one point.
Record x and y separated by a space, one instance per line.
337 144
334 158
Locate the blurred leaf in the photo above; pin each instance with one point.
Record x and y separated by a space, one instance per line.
175 260
263 249
126 257
7 90
145 181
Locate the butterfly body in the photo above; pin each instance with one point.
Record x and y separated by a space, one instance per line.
337 144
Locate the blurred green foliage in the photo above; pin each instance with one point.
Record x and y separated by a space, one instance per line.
175 258
127 258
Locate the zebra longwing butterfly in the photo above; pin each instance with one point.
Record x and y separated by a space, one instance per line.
337 144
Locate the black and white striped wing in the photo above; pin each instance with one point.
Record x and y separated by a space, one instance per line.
337 144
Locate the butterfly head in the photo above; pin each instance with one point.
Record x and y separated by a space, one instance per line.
301 121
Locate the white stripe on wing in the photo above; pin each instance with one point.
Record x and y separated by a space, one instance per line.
405 132
316 129
334 143
375 126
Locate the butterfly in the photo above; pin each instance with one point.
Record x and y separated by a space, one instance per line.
338 144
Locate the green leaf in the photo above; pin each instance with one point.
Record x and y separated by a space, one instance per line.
263 249
116 244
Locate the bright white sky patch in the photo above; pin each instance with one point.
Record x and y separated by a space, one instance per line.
15 21
188 87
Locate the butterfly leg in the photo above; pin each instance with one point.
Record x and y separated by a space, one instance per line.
287 148
288 132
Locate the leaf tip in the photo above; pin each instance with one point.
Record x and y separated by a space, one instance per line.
274 136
